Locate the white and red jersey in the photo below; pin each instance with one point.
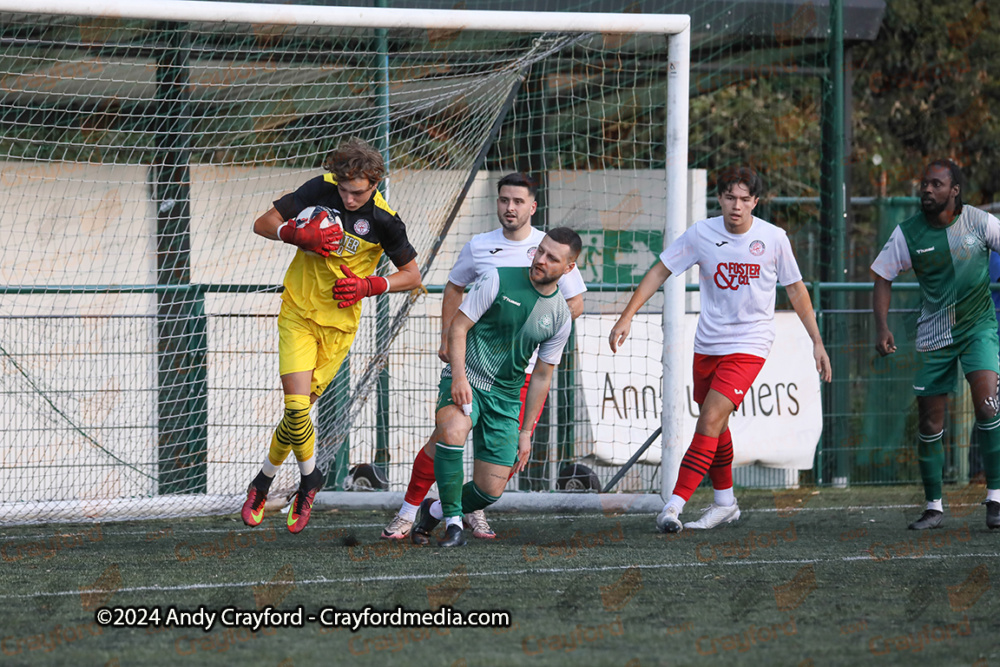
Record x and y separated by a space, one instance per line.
739 273
493 250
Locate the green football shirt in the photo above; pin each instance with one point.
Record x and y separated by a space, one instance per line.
511 319
952 266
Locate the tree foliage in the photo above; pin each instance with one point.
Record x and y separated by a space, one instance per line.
927 88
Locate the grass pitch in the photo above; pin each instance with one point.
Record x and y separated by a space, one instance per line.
804 578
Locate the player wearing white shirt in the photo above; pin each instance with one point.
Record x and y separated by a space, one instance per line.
738 276
741 259
512 245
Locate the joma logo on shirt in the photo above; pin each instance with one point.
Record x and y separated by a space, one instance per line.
730 275
508 300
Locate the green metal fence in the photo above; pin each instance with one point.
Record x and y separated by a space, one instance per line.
870 421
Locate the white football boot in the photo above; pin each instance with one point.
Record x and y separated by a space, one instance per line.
667 521
714 515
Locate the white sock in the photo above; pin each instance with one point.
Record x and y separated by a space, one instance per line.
993 495
724 497
307 466
935 505
408 511
453 521
269 468
436 510
676 502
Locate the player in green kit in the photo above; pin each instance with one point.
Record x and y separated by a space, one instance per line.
509 312
947 245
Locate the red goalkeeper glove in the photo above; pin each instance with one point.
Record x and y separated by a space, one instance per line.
350 289
313 237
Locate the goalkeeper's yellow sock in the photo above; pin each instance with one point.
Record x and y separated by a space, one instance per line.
297 429
294 433
276 455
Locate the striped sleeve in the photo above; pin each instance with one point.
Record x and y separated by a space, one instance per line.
894 258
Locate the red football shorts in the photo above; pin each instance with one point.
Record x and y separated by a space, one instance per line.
524 397
731 375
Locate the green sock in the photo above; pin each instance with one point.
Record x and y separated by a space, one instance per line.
930 452
449 472
474 498
989 445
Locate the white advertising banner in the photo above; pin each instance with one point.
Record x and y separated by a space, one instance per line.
778 425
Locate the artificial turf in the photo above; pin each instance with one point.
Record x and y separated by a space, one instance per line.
829 577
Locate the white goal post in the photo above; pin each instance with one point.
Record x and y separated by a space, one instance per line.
675 147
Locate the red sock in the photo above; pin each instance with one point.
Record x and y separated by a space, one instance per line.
421 479
721 471
695 464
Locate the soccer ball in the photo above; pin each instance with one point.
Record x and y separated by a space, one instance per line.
317 215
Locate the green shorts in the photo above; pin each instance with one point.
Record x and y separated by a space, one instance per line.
495 423
937 370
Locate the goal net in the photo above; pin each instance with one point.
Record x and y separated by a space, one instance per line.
138 340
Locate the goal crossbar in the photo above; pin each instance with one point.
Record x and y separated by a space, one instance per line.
359 17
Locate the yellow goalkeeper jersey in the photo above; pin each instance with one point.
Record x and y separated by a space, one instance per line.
368 232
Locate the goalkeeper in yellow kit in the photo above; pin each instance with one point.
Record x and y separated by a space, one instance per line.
340 246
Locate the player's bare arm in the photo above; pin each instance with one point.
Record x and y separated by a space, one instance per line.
452 299
461 391
575 304
406 277
799 296
538 388
648 286
267 224
881 297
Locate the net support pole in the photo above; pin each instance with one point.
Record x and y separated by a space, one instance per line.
382 316
181 330
678 80
834 196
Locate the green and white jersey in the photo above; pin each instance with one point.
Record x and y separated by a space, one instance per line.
952 267
511 318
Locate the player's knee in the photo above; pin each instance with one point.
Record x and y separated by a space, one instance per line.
712 424
297 404
453 431
987 408
490 478
447 434
296 428
930 424
492 486
930 430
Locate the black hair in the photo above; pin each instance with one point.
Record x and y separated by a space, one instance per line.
736 175
566 236
957 178
519 180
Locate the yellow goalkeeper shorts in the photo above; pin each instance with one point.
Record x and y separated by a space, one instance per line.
304 345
